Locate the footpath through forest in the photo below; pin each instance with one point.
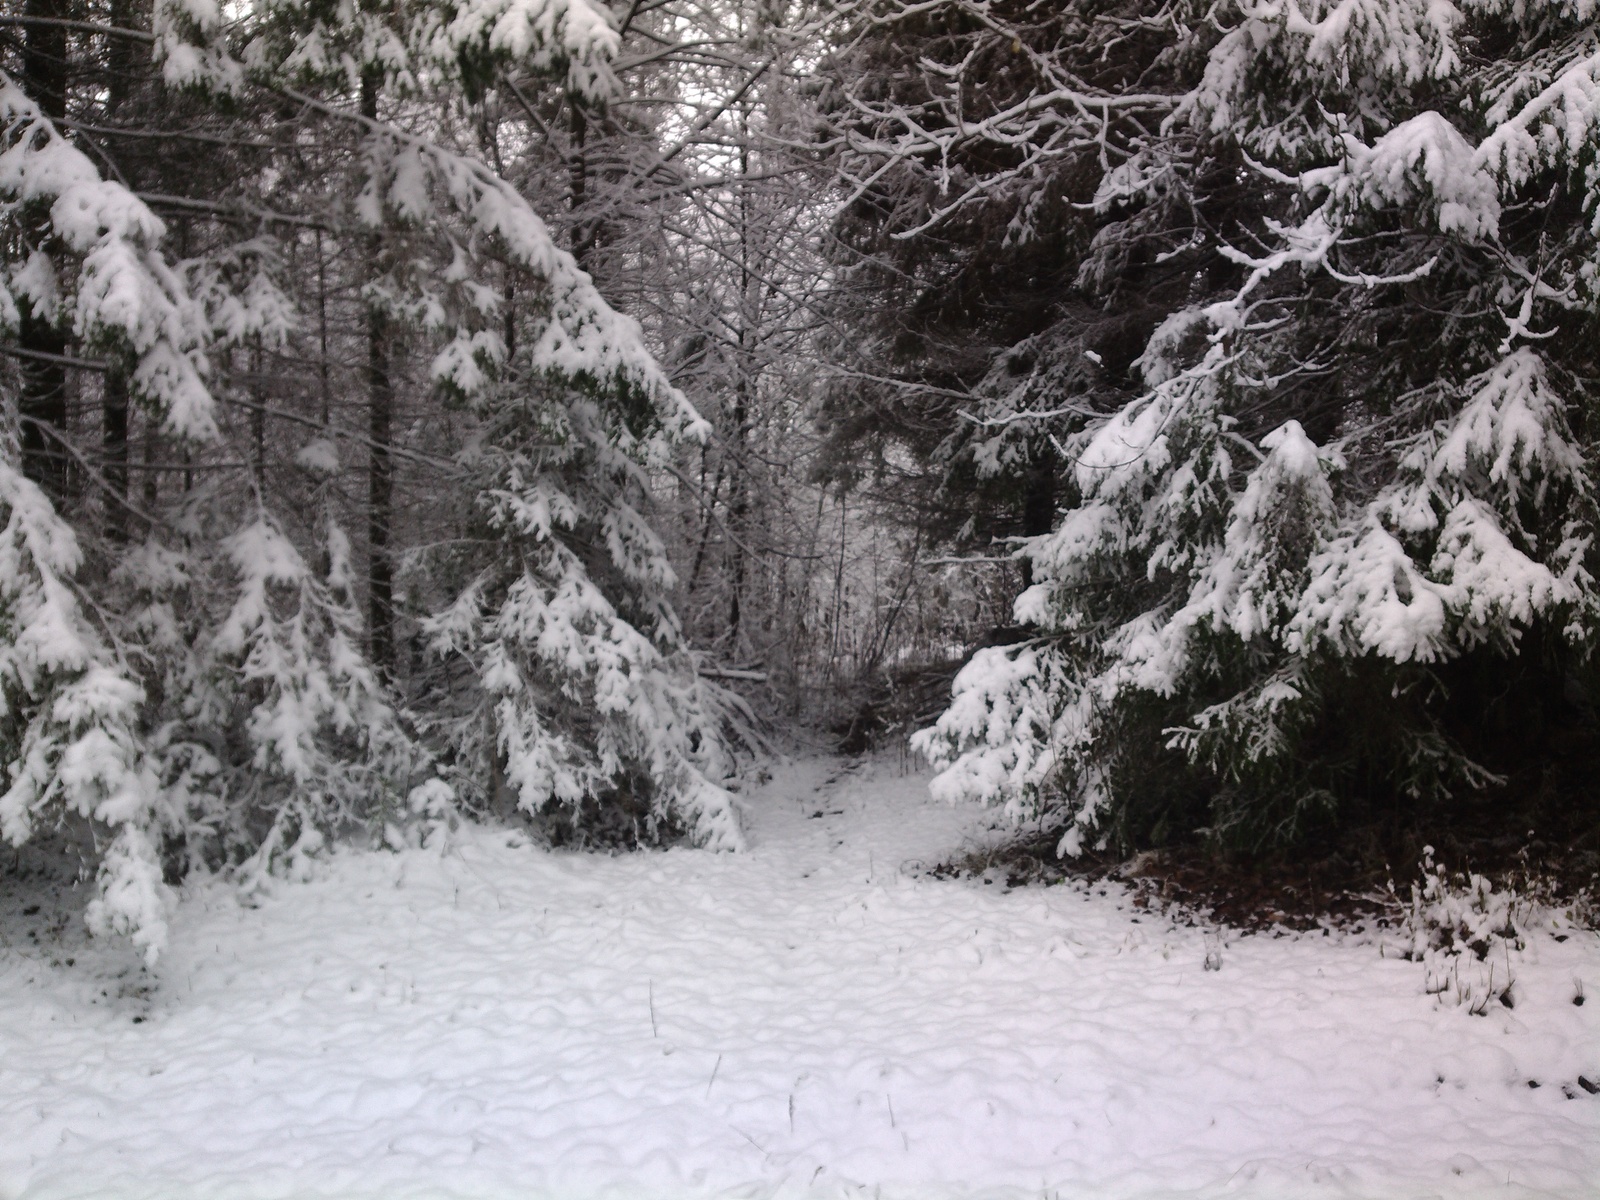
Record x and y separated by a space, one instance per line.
817 1017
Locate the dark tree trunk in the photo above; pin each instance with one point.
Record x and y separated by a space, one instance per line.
322 332
711 516
1038 505
738 480
152 455
42 404
121 53
578 182
738 498
114 401
258 416
380 470
115 452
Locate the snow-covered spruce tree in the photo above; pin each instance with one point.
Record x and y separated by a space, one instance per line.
216 729
581 696
69 720
87 261
254 723
271 732
972 137
188 677
1335 560
590 704
692 201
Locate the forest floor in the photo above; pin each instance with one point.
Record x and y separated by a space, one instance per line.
818 1017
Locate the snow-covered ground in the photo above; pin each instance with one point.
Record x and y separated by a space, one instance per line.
809 1019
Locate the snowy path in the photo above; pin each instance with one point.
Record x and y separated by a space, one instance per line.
805 1020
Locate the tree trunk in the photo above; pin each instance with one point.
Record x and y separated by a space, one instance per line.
114 451
738 500
1038 505
258 416
738 480
705 531
152 456
322 333
380 477
578 182
42 404
114 398
121 57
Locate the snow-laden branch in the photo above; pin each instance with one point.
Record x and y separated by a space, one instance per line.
1058 117
96 260
583 337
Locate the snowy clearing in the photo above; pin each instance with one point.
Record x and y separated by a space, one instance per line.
808 1019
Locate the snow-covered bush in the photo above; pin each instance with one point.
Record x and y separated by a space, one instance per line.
1464 924
1359 472
1468 933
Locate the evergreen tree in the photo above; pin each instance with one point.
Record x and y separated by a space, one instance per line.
971 139
203 671
1357 482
